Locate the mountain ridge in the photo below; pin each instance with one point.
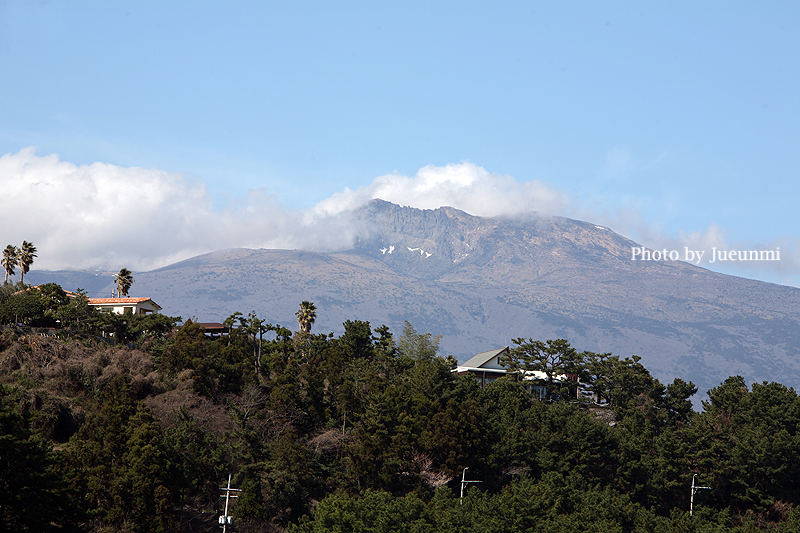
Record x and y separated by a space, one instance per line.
482 281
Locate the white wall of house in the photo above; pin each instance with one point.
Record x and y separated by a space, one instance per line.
494 362
120 306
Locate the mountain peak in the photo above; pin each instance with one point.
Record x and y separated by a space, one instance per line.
438 243
482 281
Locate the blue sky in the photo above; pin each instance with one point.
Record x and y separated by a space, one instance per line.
673 124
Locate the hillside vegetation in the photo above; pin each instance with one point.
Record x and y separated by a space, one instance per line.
368 432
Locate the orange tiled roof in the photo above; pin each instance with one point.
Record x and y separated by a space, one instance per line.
120 301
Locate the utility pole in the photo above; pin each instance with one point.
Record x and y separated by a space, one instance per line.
227 520
464 482
695 488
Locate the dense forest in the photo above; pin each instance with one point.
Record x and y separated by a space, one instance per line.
130 423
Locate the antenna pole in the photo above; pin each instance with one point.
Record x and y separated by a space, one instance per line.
695 488
464 482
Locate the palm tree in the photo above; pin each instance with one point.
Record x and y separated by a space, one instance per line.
25 258
306 316
9 260
124 280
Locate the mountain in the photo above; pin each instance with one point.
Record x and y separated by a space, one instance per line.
481 282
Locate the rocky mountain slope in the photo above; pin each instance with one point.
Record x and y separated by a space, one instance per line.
481 282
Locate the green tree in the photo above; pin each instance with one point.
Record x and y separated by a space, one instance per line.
676 401
230 324
358 339
51 295
197 456
306 316
52 298
554 358
371 512
126 327
124 280
151 325
148 474
256 327
417 345
33 495
119 463
621 381
10 258
385 347
25 258
749 444
77 313
114 325
22 307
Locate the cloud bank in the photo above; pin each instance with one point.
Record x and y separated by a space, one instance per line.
102 216
464 186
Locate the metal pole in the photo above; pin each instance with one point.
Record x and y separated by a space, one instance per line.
225 519
227 500
695 488
464 482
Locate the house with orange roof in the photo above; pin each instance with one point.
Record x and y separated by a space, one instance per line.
121 306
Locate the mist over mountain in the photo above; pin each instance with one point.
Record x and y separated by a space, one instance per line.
481 282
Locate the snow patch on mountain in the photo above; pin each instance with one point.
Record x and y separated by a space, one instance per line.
421 251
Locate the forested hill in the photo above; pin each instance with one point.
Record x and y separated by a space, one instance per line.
481 282
369 431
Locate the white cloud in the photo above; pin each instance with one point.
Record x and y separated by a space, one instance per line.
106 216
464 186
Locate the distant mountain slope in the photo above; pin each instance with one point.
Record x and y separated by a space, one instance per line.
481 282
